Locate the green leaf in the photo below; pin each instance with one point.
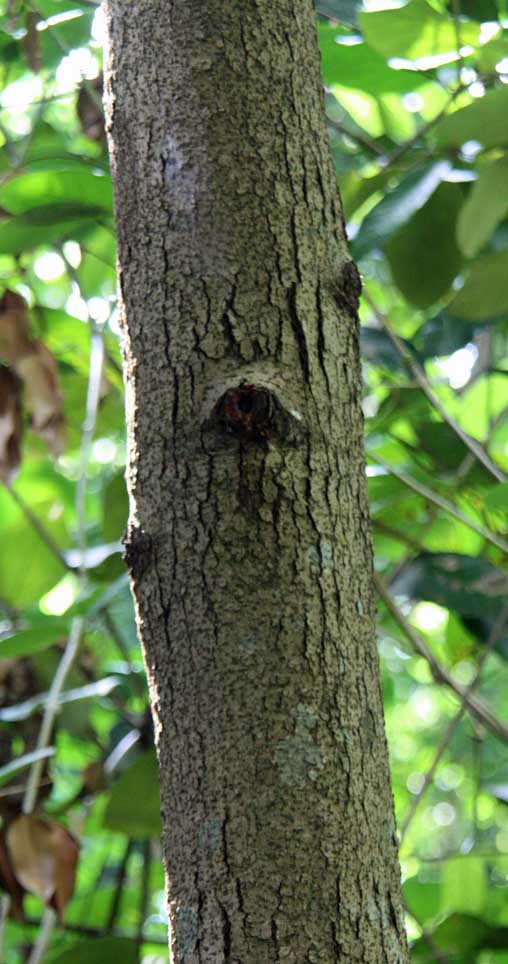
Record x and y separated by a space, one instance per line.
44 188
484 295
123 812
398 206
29 641
481 10
443 334
415 30
116 508
47 224
484 121
31 570
377 349
497 497
360 68
423 256
485 207
100 950
460 935
474 589
464 884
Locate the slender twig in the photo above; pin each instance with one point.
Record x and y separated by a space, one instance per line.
144 896
473 703
120 880
454 722
423 130
419 375
53 700
38 527
97 932
394 533
64 47
357 137
444 504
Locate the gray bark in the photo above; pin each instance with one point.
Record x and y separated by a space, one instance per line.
248 542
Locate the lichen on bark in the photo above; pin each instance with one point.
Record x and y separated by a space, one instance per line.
248 542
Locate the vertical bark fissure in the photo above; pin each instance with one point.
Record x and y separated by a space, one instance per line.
246 478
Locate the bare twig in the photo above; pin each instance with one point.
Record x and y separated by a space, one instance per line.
38 527
52 706
454 722
419 375
471 702
444 504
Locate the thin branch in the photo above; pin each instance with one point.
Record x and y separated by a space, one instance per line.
97 932
474 447
473 703
454 722
144 897
120 880
423 130
360 139
52 705
38 527
444 504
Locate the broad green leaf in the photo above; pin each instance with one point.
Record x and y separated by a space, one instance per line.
443 334
116 508
464 885
29 641
379 350
497 497
484 295
360 68
483 121
47 224
479 9
485 207
460 934
415 30
423 255
100 950
31 569
421 899
474 589
124 812
398 206
44 188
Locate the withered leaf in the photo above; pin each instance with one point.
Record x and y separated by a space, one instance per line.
31 45
8 880
11 424
14 327
43 399
44 857
90 114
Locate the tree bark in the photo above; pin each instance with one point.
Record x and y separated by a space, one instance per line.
248 542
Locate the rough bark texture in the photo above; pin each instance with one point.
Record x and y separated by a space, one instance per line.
248 543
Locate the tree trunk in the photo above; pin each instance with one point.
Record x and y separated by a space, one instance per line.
248 543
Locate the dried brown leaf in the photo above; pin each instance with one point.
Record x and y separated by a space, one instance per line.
43 399
8 881
44 857
11 424
91 116
31 45
14 327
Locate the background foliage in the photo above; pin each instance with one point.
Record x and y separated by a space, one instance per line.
417 100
